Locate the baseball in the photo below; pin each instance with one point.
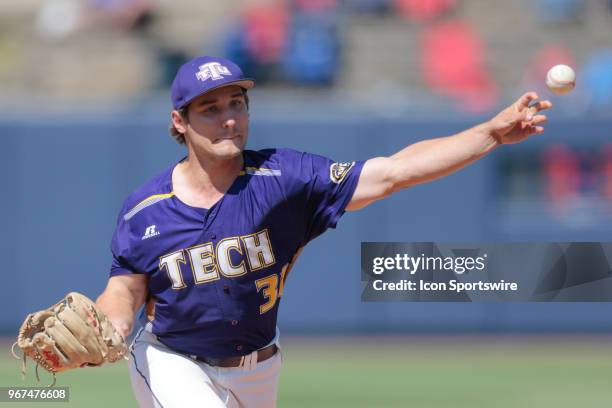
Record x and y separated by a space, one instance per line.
561 79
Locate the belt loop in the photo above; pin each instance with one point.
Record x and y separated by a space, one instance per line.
250 361
244 361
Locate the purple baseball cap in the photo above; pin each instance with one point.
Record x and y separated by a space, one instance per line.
203 74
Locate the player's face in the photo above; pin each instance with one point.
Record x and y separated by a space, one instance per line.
218 123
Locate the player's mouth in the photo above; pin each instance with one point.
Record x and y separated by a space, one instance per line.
229 137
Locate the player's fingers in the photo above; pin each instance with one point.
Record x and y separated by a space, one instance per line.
539 120
536 107
535 130
540 105
524 101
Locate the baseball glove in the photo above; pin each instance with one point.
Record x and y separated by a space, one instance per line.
70 334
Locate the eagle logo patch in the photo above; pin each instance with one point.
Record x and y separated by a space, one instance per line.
338 171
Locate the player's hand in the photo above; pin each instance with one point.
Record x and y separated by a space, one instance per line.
124 328
520 120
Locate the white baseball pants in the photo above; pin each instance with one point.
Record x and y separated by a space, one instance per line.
163 378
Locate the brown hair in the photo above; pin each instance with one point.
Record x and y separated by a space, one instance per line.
180 137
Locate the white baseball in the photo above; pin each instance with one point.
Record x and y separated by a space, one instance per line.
561 79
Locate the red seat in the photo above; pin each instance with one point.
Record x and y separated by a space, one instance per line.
453 64
266 32
422 9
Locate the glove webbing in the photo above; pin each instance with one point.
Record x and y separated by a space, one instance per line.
39 361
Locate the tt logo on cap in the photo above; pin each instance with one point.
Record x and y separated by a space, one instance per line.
212 70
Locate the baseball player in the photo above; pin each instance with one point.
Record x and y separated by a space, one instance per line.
206 246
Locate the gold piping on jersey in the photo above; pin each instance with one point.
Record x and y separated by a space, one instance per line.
254 171
145 203
286 269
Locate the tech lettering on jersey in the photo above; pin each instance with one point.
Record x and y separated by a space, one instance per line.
209 262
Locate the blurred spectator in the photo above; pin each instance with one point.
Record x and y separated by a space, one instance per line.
589 164
313 53
302 47
561 175
315 6
60 18
596 78
419 10
258 41
369 6
265 31
606 172
236 49
453 64
57 19
120 15
168 61
558 11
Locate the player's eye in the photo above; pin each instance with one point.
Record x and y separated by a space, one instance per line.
236 103
211 109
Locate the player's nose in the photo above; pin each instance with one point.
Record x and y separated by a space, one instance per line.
229 123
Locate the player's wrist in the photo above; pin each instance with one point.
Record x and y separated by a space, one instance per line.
122 327
490 135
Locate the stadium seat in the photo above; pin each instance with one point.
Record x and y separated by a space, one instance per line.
313 54
558 11
453 64
562 173
597 79
422 9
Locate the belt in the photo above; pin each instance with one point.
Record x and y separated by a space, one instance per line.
262 355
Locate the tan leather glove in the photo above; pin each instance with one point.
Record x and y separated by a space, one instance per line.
70 334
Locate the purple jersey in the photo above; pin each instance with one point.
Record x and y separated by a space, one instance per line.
216 276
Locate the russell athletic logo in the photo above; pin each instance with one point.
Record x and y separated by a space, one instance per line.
150 232
212 70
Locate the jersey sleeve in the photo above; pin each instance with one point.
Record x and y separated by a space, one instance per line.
120 248
324 187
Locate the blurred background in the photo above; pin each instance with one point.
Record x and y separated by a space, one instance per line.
84 110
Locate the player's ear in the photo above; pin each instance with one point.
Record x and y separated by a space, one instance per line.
179 121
